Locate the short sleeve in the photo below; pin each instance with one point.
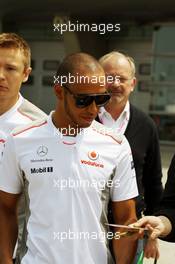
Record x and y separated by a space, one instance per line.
124 181
10 174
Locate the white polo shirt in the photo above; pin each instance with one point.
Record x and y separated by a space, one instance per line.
23 112
68 181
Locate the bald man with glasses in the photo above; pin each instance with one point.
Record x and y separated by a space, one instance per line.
69 183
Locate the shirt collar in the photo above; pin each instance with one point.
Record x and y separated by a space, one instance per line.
12 109
126 112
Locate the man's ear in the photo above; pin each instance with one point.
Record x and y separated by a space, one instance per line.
27 72
58 91
133 84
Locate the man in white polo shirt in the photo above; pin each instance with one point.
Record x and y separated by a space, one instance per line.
15 68
15 57
70 167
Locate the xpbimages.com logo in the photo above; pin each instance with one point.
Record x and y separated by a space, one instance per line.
81 79
101 28
84 235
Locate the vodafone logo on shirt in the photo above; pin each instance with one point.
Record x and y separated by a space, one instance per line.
93 156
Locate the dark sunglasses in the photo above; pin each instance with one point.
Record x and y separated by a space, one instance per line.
83 100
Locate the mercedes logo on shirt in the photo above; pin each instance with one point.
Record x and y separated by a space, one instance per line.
42 151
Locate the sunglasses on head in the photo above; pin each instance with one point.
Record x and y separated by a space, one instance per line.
83 100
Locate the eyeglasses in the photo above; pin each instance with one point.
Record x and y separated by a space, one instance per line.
83 100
